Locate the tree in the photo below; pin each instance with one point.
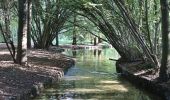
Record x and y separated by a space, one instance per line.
29 23
101 15
81 29
47 21
74 31
5 26
121 23
22 31
163 74
57 39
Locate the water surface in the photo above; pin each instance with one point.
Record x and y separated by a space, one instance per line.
93 78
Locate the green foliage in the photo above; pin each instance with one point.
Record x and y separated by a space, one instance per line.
1 38
125 23
128 24
83 29
48 20
9 17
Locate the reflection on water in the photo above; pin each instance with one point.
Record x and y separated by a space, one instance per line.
93 78
74 53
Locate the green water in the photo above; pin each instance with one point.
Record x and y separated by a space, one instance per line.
93 78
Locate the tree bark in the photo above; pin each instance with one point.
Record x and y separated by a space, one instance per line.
163 74
135 32
74 32
29 24
99 40
22 32
147 26
45 26
57 39
156 29
6 42
6 32
95 41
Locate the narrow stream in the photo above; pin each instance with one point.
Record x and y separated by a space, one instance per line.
93 78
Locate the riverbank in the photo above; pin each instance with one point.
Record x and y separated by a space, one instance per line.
93 78
145 79
24 82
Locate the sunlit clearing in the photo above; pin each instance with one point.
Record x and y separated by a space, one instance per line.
70 78
113 88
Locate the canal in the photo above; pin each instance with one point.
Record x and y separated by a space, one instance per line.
93 78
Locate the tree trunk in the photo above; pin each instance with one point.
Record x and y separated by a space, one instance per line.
6 32
91 39
156 29
147 26
131 24
29 24
95 41
74 40
6 42
99 40
163 74
57 41
22 32
74 32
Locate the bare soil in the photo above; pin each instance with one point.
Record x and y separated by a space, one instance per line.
16 81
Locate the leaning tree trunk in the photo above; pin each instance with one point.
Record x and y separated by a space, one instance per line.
6 33
22 32
163 75
131 24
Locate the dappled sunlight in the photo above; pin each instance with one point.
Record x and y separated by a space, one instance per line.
2 92
43 54
109 82
7 63
71 78
93 79
85 90
140 72
39 55
5 56
51 90
113 88
4 52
